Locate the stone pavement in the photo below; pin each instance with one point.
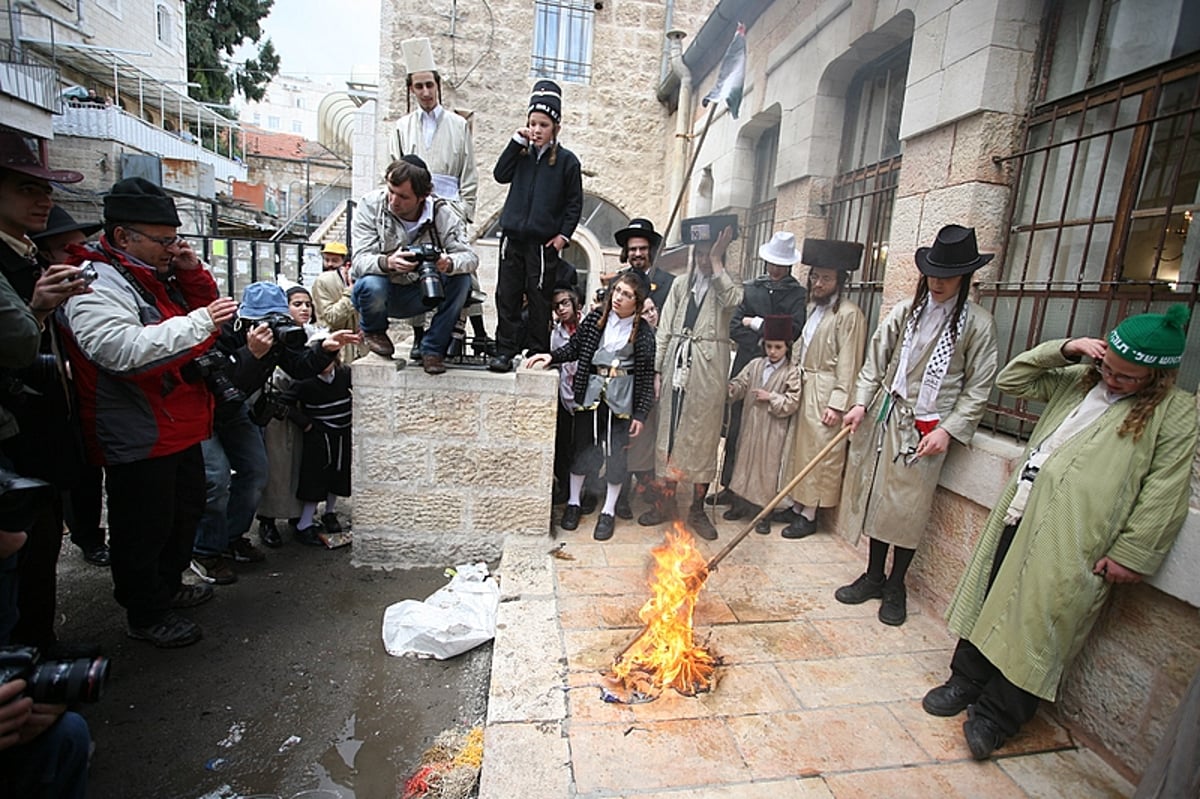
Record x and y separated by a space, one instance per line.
815 698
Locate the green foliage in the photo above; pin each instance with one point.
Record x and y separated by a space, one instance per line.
215 29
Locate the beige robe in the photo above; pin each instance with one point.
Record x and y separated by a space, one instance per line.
766 428
828 368
451 154
701 406
334 311
889 495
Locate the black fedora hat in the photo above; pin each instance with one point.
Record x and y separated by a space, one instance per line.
954 253
62 222
643 228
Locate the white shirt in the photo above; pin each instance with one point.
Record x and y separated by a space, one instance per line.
429 123
616 332
769 369
815 314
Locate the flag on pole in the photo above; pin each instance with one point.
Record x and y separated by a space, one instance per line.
731 79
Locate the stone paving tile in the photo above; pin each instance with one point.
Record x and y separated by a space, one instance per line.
654 755
586 554
774 605
614 581
526 684
966 780
767 641
1071 774
509 769
584 705
712 609
808 743
820 548
749 688
855 680
858 636
775 789
942 738
577 612
594 650
733 578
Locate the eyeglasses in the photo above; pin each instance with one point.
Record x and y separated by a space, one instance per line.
1116 377
161 241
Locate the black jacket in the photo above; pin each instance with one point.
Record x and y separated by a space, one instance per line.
765 297
543 200
582 347
250 374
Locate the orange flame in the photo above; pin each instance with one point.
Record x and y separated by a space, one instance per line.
665 654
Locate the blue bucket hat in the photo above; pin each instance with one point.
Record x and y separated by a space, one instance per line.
261 299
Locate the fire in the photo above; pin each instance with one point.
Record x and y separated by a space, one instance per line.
665 654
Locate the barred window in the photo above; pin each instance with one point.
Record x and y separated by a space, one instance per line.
1107 184
760 222
860 208
562 40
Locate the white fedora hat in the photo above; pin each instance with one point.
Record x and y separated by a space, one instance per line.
780 250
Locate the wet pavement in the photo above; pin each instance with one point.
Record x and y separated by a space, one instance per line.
290 689
814 698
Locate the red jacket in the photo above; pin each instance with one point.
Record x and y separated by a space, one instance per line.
128 347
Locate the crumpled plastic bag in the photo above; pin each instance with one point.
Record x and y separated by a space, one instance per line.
457 617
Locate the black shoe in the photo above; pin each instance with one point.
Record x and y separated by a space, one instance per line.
415 353
604 527
570 517
699 523
500 363
654 517
763 526
736 512
983 736
98 556
623 509
784 516
859 591
799 527
587 504
330 522
894 609
268 533
949 699
722 497
309 536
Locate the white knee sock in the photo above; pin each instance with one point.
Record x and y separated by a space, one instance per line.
610 499
576 488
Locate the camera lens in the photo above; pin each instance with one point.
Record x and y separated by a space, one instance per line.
64 682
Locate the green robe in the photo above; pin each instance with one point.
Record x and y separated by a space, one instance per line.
1098 494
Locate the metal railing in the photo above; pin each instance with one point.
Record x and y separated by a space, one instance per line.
238 262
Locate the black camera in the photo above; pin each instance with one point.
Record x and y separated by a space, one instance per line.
20 498
267 406
54 682
213 368
426 256
287 333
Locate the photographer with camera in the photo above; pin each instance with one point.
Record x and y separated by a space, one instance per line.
152 311
410 255
248 349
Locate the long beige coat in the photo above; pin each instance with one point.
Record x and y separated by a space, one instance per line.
451 154
700 407
766 428
334 311
828 368
888 496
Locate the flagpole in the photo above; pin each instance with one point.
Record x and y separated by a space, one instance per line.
712 112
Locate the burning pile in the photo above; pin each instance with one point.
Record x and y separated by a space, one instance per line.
665 655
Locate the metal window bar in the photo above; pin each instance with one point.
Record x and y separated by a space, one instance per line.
861 210
760 222
562 46
1062 277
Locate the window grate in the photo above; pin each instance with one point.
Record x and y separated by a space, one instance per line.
562 40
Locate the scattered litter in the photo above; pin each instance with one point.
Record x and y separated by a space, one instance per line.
449 768
561 552
289 743
215 763
236 731
457 617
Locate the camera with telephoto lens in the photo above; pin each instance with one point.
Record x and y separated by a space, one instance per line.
287 333
20 499
213 368
426 256
54 682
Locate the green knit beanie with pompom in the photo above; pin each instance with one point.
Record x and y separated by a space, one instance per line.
1152 339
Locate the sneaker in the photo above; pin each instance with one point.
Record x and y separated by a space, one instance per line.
191 595
242 551
331 524
859 591
211 569
268 533
172 632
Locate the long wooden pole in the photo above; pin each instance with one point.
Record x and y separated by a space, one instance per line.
712 112
762 514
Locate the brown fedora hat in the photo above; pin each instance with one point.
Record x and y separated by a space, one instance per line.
18 156
954 253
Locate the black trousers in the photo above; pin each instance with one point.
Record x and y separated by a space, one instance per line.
154 506
1001 702
37 581
564 448
82 508
527 272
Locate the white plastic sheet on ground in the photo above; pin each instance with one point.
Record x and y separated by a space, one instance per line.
458 616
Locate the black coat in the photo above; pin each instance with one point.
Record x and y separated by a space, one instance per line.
582 347
250 374
765 297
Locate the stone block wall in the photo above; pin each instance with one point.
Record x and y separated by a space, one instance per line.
446 467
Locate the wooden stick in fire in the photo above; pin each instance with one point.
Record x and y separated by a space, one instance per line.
762 514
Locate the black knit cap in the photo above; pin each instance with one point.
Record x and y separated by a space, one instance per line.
547 98
139 200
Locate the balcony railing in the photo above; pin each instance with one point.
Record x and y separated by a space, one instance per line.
110 123
33 84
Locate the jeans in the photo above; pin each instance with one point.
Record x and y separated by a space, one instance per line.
52 764
377 299
235 474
